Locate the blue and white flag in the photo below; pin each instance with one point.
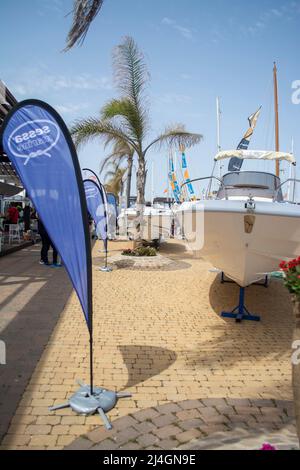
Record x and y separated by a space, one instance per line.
235 164
38 143
186 176
96 207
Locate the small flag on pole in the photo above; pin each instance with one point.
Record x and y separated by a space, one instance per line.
235 164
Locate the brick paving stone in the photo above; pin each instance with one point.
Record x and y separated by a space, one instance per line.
80 444
164 420
168 408
125 422
166 431
216 419
211 428
130 446
99 434
190 404
168 444
188 414
208 412
37 429
73 420
42 440
125 435
146 440
241 402
15 440
190 423
146 414
144 427
188 436
214 402
105 445
61 430
262 402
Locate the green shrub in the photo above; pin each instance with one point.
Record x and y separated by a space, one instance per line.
145 251
140 251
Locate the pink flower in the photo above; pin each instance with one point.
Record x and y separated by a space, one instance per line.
267 446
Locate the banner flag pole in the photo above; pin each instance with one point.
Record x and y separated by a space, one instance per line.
40 147
90 175
96 207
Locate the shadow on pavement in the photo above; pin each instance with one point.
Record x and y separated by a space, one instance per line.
31 299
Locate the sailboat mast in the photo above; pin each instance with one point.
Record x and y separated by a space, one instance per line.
218 123
276 116
218 131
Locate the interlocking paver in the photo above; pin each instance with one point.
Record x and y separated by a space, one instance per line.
175 354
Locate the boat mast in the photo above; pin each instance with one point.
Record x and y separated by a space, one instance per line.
276 116
152 182
218 131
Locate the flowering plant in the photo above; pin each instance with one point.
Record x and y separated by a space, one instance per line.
267 446
291 270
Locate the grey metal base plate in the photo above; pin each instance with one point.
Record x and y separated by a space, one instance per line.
105 269
101 401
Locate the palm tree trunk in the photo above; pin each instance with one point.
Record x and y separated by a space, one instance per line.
296 367
128 182
140 201
141 180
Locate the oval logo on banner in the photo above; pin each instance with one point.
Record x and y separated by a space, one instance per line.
33 139
91 192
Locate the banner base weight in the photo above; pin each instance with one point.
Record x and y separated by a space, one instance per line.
101 401
105 269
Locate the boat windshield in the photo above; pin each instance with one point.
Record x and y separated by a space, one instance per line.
250 183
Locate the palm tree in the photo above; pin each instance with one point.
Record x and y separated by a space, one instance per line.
84 12
126 119
115 180
120 152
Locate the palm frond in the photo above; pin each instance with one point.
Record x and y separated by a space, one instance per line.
120 151
176 136
86 130
123 109
115 183
84 12
112 158
131 75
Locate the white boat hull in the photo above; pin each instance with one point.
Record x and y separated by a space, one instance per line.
243 257
155 226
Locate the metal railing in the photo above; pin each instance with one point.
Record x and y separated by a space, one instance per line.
294 180
209 187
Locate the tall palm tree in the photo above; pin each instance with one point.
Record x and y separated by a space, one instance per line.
84 12
126 119
120 152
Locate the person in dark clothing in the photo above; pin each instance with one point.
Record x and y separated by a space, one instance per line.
46 244
26 218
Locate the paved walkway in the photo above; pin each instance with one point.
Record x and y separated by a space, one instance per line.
159 335
211 423
31 300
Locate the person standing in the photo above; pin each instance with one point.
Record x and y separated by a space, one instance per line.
46 244
12 215
26 218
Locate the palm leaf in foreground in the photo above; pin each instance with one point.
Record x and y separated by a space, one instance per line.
84 12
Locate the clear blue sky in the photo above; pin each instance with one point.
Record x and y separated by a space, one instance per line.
195 50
